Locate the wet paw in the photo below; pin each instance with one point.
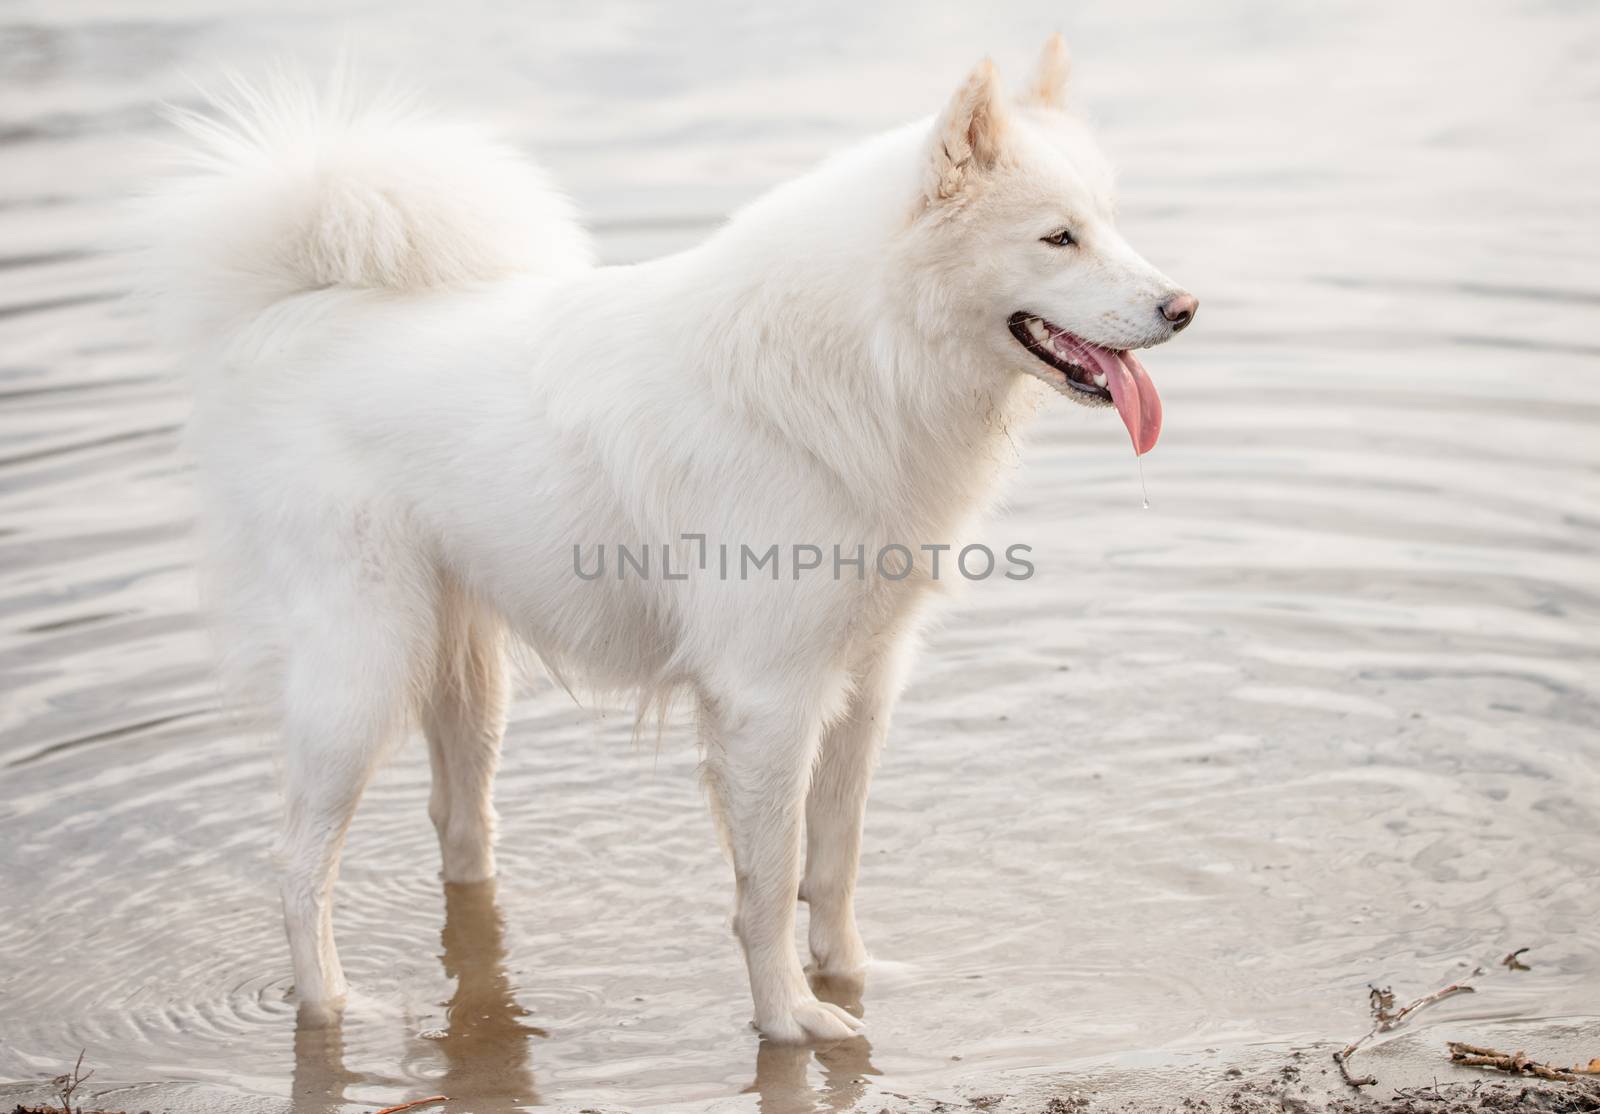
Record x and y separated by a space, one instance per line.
323 1013
811 1020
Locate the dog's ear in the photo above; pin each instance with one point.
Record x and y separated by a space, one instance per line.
968 136
1048 86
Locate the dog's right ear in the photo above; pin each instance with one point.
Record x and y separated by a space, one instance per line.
968 137
1048 88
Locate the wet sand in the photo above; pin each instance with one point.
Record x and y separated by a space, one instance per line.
1327 714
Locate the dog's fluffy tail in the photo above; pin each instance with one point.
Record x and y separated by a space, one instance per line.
285 189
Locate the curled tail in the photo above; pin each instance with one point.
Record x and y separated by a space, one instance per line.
284 189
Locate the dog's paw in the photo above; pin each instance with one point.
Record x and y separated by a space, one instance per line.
321 1014
811 1020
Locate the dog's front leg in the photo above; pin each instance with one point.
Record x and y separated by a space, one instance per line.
835 808
758 765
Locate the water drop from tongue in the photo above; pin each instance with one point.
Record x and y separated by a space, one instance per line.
1138 460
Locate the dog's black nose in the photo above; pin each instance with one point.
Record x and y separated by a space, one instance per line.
1180 310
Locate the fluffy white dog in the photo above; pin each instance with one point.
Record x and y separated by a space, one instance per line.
418 401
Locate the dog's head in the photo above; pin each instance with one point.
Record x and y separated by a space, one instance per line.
1022 252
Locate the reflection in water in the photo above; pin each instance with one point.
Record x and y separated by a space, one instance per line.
320 1077
485 1042
781 1068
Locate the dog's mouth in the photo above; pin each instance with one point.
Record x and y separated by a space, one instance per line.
1093 374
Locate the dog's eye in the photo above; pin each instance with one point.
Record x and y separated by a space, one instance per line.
1062 239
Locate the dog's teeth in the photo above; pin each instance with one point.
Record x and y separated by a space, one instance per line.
1036 327
1099 379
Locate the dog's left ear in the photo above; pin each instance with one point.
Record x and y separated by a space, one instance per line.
1048 86
968 135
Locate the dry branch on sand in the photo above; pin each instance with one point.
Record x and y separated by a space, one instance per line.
1518 1063
1385 1017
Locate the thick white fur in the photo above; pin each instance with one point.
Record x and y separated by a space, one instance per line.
415 394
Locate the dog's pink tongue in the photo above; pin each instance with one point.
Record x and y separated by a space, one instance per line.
1134 395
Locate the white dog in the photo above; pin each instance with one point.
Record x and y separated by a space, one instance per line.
418 401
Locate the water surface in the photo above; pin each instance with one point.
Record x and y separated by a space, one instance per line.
1325 714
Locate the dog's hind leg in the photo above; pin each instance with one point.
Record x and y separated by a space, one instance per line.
464 718
835 808
758 763
354 652
335 733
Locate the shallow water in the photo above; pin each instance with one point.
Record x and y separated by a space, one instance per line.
1325 714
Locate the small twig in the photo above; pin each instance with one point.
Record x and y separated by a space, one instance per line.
1440 995
1380 1001
1514 960
1342 1058
413 1102
72 1081
1517 1063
